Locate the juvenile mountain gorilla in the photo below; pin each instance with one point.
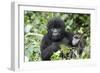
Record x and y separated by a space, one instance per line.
55 36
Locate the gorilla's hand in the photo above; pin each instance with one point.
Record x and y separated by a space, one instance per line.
55 46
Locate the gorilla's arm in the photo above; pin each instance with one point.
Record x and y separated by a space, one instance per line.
47 48
81 46
68 38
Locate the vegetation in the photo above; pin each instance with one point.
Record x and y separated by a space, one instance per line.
35 23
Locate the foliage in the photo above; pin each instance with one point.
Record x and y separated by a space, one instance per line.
35 23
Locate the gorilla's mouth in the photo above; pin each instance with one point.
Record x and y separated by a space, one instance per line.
55 34
57 38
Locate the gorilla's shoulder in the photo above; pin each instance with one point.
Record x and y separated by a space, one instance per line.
45 37
69 35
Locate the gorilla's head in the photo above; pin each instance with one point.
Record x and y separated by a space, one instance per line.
56 29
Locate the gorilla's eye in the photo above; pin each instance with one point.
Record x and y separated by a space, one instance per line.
76 37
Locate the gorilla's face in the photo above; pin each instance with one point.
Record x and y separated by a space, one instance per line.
56 33
76 39
56 29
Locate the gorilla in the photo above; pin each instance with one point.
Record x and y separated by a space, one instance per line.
55 36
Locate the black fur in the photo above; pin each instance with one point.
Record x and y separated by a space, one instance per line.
50 43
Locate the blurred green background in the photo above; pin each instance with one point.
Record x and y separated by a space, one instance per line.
35 23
